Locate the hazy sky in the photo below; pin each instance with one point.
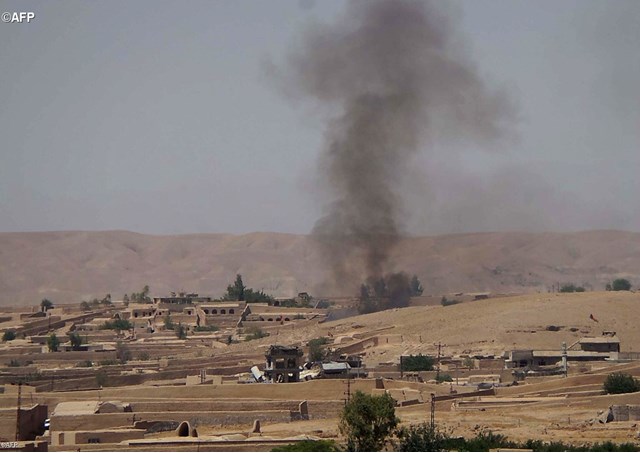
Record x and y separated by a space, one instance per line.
165 117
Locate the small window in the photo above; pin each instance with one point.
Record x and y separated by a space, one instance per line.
223 312
214 312
206 312
231 311
286 319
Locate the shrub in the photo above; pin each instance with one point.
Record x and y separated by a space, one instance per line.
417 363
117 324
206 329
309 445
444 378
84 364
144 355
621 284
621 383
14 363
254 333
447 302
571 288
9 335
423 437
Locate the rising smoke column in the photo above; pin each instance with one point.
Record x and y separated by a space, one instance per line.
396 78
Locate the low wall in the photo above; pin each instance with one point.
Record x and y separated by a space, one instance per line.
195 418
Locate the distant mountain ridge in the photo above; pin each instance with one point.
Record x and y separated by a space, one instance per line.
70 266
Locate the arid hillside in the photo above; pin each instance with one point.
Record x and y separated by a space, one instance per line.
70 266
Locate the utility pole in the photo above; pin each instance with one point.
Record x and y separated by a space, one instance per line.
564 358
438 364
348 392
18 411
433 411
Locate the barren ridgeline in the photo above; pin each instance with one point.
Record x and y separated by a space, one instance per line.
395 80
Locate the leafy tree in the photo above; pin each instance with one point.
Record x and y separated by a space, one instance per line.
102 378
118 324
423 437
122 352
84 306
181 331
608 287
235 291
9 335
446 302
417 363
416 286
316 350
46 305
367 421
76 341
571 288
125 299
238 291
141 297
168 322
53 342
621 284
621 383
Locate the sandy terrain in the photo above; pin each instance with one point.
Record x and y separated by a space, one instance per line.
68 267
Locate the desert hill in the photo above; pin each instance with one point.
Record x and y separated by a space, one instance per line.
68 267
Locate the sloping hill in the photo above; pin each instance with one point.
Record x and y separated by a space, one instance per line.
70 266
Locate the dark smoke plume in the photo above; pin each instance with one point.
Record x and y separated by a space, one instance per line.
397 79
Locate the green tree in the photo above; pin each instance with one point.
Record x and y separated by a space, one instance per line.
423 437
125 300
621 383
168 322
76 341
236 291
417 363
84 306
122 352
9 335
102 378
621 284
46 305
416 286
118 324
317 352
53 342
571 288
367 421
181 331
